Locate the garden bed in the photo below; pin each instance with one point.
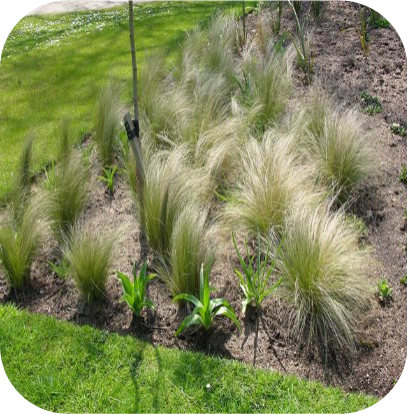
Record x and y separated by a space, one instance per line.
342 70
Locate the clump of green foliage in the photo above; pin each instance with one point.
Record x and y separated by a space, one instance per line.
398 129
317 9
268 184
23 179
205 308
370 104
377 20
358 224
385 292
336 142
90 257
403 280
193 242
69 194
108 177
107 124
134 294
255 283
59 267
20 241
302 43
324 279
276 24
403 175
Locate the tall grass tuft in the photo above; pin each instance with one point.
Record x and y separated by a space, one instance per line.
268 85
269 183
107 123
339 147
65 142
69 195
20 241
90 255
169 184
23 179
324 273
193 243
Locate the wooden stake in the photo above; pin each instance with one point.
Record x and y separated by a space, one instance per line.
133 59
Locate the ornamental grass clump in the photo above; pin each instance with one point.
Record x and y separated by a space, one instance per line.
90 256
270 84
107 124
193 242
68 197
339 147
20 241
22 180
324 272
270 181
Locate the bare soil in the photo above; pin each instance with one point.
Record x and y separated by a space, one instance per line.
343 71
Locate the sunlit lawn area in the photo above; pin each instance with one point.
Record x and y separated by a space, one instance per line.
53 67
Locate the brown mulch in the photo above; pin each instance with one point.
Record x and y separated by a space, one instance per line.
343 71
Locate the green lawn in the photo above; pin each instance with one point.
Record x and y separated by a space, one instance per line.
65 368
54 66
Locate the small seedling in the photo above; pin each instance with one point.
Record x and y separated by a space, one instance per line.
385 291
358 224
134 294
377 20
255 284
205 308
50 176
398 129
108 178
403 280
60 268
371 104
403 175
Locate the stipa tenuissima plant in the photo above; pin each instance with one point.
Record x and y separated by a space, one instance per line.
339 147
169 185
20 241
22 180
107 123
90 256
324 273
270 181
193 242
270 85
68 196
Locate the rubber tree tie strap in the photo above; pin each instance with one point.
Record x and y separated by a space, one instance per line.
135 132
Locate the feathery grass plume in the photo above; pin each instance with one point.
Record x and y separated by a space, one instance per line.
23 179
269 81
218 151
68 198
65 142
20 241
90 255
169 184
107 123
324 273
338 145
193 243
269 183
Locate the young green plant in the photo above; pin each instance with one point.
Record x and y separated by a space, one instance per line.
134 294
385 292
108 177
205 308
255 283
